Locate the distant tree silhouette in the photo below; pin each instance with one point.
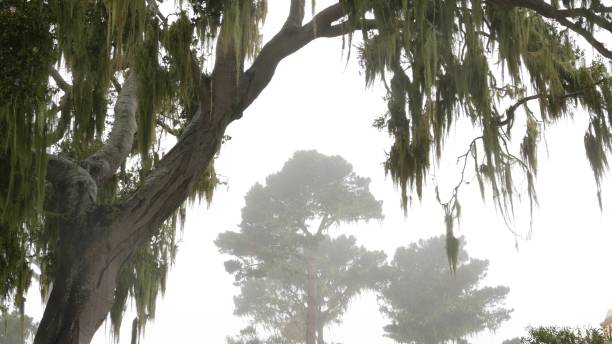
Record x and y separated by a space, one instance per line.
294 278
426 304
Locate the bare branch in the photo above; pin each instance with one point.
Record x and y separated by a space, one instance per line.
172 131
106 161
588 14
510 111
59 80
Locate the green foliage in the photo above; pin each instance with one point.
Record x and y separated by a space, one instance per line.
25 59
427 304
13 325
556 335
280 248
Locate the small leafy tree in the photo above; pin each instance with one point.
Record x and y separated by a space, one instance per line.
564 335
295 279
426 304
14 328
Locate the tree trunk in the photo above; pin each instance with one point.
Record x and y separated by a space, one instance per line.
84 283
312 307
78 304
320 339
98 239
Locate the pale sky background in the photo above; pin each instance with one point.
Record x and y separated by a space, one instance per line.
561 276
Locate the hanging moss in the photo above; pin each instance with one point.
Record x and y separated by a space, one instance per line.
178 44
440 57
25 59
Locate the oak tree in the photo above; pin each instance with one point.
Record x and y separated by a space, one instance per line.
90 197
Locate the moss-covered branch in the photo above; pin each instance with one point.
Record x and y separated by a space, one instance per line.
104 163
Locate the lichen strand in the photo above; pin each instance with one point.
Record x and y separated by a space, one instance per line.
81 30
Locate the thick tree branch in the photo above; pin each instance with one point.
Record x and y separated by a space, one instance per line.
588 14
103 164
287 41
550 12
168 185
296 15
78 188
226 71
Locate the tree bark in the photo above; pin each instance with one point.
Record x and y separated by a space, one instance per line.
312 305
94 246
79 303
